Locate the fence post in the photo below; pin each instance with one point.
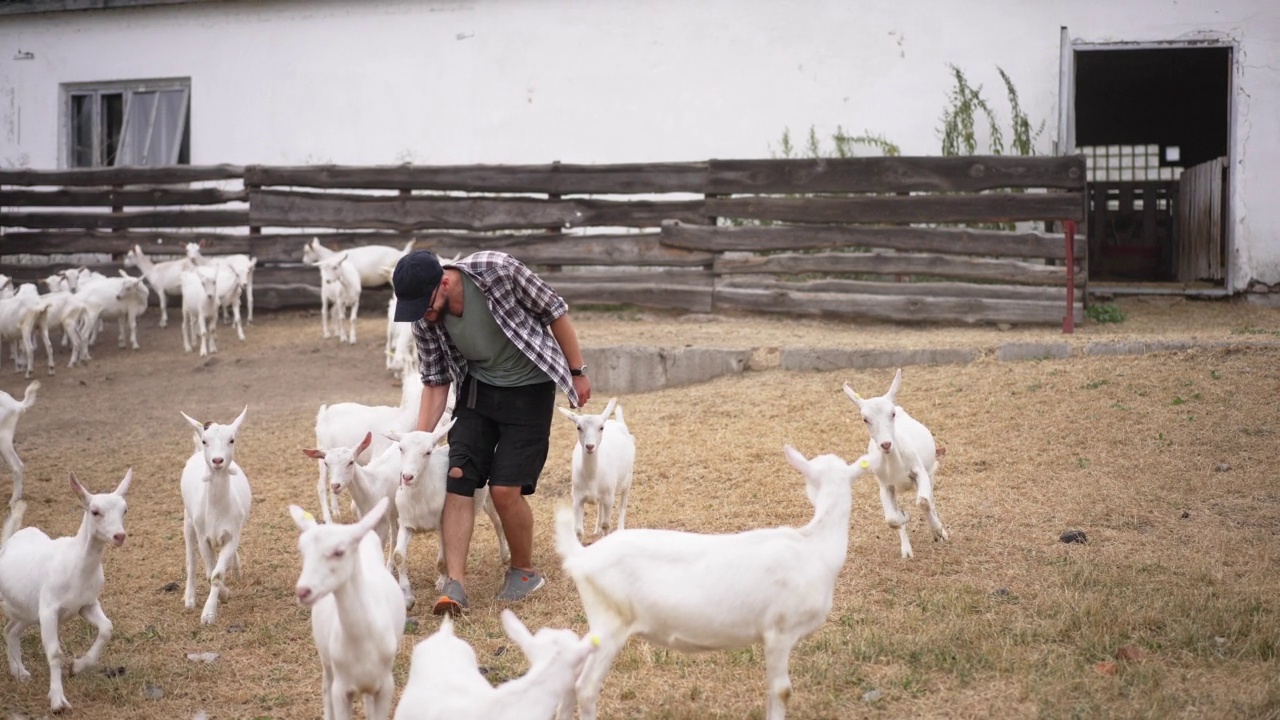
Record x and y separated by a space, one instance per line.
1069 320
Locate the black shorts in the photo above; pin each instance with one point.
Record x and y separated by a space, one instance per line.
500 436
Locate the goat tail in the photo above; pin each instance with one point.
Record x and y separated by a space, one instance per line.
29 397
13 522
567 543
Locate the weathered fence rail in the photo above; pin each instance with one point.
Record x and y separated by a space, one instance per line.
858 237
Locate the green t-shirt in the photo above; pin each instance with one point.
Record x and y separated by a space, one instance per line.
491 356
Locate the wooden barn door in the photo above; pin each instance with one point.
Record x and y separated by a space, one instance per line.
1201 224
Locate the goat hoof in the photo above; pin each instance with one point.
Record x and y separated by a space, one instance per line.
21 675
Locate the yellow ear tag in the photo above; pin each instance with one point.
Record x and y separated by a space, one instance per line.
595 640
308 516
864 464
856 396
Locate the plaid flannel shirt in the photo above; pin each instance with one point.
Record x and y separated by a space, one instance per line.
523 305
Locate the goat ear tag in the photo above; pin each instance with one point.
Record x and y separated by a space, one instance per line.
595 640
864 464
312 518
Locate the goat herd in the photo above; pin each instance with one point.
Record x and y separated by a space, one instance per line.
686 591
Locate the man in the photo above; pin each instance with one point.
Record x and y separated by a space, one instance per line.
503 336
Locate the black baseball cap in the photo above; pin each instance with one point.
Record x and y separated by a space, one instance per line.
415 279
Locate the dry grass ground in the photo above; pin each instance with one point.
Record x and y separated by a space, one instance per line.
1167 461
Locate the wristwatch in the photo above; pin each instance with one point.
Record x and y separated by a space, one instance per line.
578 372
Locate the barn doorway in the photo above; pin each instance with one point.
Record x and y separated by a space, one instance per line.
1153 123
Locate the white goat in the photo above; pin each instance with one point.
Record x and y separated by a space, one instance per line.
445 681
46 582
228 287
374 263
693 593
164 277
77 278
401 350
603 465
345 424
123 299
903 456
240 264
199 309
420 501
357 617
367 484
339 294
10 411
44 308
216 501
71 313
20 316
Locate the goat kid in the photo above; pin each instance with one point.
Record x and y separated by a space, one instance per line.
367 484
199 309
357 616
445 682
603 465
46 582
11 411
903 456
693 592
339 296
216 501
420 501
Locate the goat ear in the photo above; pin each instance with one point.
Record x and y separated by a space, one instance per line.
446 624
364 444
370 519
313 453
569 414
235 424
194 423
608 409
893 388
303 519
80 490
393 436
123 487
515 629
444 431
855 397
795 459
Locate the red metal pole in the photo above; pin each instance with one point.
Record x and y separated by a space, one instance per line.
1069 320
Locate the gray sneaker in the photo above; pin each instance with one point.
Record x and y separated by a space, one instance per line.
453 599
519 583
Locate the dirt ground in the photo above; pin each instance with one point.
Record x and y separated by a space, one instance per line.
701 448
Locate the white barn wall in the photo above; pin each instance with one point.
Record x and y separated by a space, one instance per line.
531 81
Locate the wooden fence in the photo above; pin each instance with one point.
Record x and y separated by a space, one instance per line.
876 238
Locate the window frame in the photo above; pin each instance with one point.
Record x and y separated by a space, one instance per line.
127 89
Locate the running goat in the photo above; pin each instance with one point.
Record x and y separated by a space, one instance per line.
46 582
903 457
357 614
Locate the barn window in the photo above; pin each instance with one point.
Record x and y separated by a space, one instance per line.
143 122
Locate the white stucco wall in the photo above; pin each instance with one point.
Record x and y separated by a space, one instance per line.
531 81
